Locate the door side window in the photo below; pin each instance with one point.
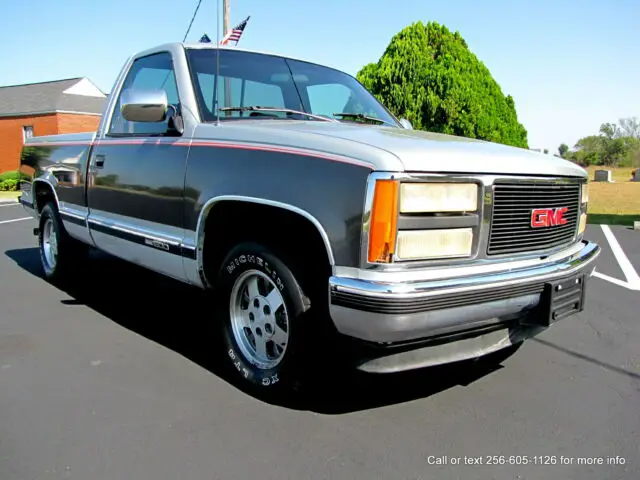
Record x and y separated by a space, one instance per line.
154 72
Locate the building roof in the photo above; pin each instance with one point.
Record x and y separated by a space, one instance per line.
73 95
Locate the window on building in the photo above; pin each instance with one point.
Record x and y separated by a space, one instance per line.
27 132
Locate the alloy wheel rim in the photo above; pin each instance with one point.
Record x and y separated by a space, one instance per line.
49 244
259 319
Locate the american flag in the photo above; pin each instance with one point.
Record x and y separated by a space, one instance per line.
235 34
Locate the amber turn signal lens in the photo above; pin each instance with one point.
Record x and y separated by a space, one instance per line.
583 224
384 215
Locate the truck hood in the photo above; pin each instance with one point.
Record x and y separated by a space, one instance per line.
420 151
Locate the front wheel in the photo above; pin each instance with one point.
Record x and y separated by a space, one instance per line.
262 309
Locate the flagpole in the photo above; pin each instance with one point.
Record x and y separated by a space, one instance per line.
227 29
227 23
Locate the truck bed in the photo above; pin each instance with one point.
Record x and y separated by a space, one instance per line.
84 137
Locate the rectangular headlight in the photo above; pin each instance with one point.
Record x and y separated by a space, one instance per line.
585 193
429 244
438 197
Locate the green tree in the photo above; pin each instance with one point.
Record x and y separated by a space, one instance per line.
589 150
609 131
428 75
615 145
563 149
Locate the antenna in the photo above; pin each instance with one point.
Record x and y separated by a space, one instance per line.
216 89
191 22
193 17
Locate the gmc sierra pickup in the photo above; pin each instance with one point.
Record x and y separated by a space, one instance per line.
313 213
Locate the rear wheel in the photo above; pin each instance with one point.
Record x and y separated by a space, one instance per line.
261 306
60 254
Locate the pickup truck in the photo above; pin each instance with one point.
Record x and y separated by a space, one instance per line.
313 216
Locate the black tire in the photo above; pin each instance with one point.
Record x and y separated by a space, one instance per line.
247 261
70 252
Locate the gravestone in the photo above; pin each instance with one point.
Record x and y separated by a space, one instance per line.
602 176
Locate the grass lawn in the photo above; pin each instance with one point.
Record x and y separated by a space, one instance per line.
618 175
615 203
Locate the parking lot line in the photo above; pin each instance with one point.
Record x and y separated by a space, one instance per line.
13 204
615 281
632 278
16 220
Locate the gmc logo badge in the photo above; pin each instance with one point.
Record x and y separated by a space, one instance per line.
548 217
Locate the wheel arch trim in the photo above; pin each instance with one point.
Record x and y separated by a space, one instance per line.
208 206
50 184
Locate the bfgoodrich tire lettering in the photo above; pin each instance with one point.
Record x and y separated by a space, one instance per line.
260 306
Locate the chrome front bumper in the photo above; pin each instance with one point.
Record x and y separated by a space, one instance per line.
457 300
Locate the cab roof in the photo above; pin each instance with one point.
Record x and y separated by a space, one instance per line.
176 46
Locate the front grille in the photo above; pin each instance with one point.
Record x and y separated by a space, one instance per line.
513 204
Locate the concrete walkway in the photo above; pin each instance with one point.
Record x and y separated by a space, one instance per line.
8 199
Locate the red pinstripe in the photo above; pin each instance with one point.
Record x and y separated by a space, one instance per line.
216 144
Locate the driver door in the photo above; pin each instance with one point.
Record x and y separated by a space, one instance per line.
136 182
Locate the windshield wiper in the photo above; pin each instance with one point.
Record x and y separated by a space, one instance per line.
362 116
258 108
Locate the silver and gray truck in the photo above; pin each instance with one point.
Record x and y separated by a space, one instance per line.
313 215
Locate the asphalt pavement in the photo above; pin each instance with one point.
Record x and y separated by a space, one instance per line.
113 379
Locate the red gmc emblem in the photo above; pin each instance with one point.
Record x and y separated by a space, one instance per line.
548 217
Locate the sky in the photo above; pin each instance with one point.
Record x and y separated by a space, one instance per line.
570 65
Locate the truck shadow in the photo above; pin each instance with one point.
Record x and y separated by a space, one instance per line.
167 312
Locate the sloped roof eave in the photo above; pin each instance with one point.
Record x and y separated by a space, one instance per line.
48 97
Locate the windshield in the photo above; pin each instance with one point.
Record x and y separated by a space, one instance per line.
252 79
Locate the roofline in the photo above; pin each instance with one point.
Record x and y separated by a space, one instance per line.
49 112
212 46
42 83
92 83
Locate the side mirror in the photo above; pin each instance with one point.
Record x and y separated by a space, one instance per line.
144 105
406 124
